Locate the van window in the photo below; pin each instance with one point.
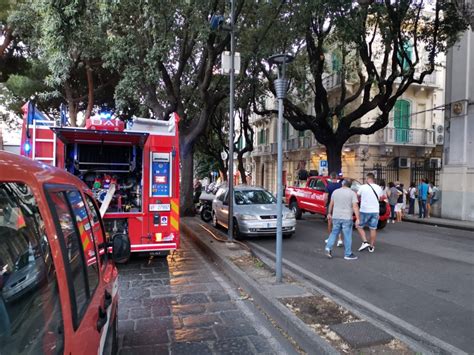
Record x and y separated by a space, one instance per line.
87 237
97 230
72 253
30 312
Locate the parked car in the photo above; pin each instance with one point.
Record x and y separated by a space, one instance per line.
311 198
58 280
255 212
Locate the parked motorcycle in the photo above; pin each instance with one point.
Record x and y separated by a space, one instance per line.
205 206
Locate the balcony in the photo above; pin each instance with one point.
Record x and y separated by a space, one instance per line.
402 136
262 149
331 81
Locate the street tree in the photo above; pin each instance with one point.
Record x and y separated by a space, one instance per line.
68 39
379 45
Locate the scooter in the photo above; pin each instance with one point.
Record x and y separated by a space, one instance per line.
205 206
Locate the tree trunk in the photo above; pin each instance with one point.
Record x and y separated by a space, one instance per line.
334 154
71 105
90 92
241 169
186 186
7 38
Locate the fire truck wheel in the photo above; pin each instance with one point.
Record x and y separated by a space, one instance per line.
294 207
115 335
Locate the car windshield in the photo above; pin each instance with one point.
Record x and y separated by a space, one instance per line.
254 197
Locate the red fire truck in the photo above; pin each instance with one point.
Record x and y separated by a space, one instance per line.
132 168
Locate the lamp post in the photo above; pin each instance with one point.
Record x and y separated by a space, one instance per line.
281 85
230 231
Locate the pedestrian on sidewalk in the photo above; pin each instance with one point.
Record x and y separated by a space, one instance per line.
399 205
433 197
370 195
392 200
343 205
411 197
333 185
423 189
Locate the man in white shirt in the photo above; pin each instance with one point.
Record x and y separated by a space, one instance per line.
370 194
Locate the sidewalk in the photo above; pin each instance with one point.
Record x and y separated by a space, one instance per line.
442 222
182 305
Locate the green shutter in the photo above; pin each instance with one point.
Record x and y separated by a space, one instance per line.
336 62
402 120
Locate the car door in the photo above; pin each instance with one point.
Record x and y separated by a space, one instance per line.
217 204
225 210
31 317
318 196
82 266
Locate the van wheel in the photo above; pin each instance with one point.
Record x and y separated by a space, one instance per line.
381 224
296 210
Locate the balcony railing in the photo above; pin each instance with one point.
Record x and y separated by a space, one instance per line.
332 81
262 149
408 136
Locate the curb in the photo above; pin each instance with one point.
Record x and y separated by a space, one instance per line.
308 340
442 224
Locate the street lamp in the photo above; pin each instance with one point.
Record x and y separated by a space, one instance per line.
281 85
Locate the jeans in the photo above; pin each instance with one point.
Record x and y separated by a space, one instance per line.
422 208
392 212
346 226
411 209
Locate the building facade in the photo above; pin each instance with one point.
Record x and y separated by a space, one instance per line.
457 177
402 151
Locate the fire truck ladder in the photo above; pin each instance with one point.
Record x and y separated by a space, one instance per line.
44 126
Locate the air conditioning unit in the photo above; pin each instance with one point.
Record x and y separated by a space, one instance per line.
403 162
435 162
439 134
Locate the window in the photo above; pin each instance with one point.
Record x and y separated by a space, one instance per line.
261 136
336 62
286 130
320 185
402 57
401 122
30 312
301 133
77 242
220 194
98 230
87 237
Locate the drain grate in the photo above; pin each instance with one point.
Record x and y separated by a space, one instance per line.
361 334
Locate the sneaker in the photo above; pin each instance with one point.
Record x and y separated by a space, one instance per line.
364 246
326 240
329 253
340 243
350 257
371 249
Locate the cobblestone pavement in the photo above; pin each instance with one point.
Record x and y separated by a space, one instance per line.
182 305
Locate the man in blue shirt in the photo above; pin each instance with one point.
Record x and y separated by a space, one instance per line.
422 198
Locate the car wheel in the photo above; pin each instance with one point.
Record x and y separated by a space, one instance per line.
288 235
236 231
296 210
381 224
206 215
215 223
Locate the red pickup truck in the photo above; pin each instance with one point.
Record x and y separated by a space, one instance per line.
311 198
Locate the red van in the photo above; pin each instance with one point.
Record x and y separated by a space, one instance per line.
58 280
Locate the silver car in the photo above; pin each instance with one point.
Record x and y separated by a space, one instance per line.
255 212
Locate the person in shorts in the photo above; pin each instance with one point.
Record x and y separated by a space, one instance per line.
370 195
343 205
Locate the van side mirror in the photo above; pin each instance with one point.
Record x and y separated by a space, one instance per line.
120 248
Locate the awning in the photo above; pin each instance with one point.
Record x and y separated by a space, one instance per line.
70 135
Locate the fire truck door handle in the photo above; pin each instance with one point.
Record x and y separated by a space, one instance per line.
107 299
102 319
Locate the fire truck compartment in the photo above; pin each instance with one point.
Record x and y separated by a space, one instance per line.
101 159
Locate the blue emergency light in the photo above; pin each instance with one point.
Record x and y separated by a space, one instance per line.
27 146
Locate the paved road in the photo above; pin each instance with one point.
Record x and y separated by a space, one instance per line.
183 305
419 273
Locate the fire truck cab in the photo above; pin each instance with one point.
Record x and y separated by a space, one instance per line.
132 169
